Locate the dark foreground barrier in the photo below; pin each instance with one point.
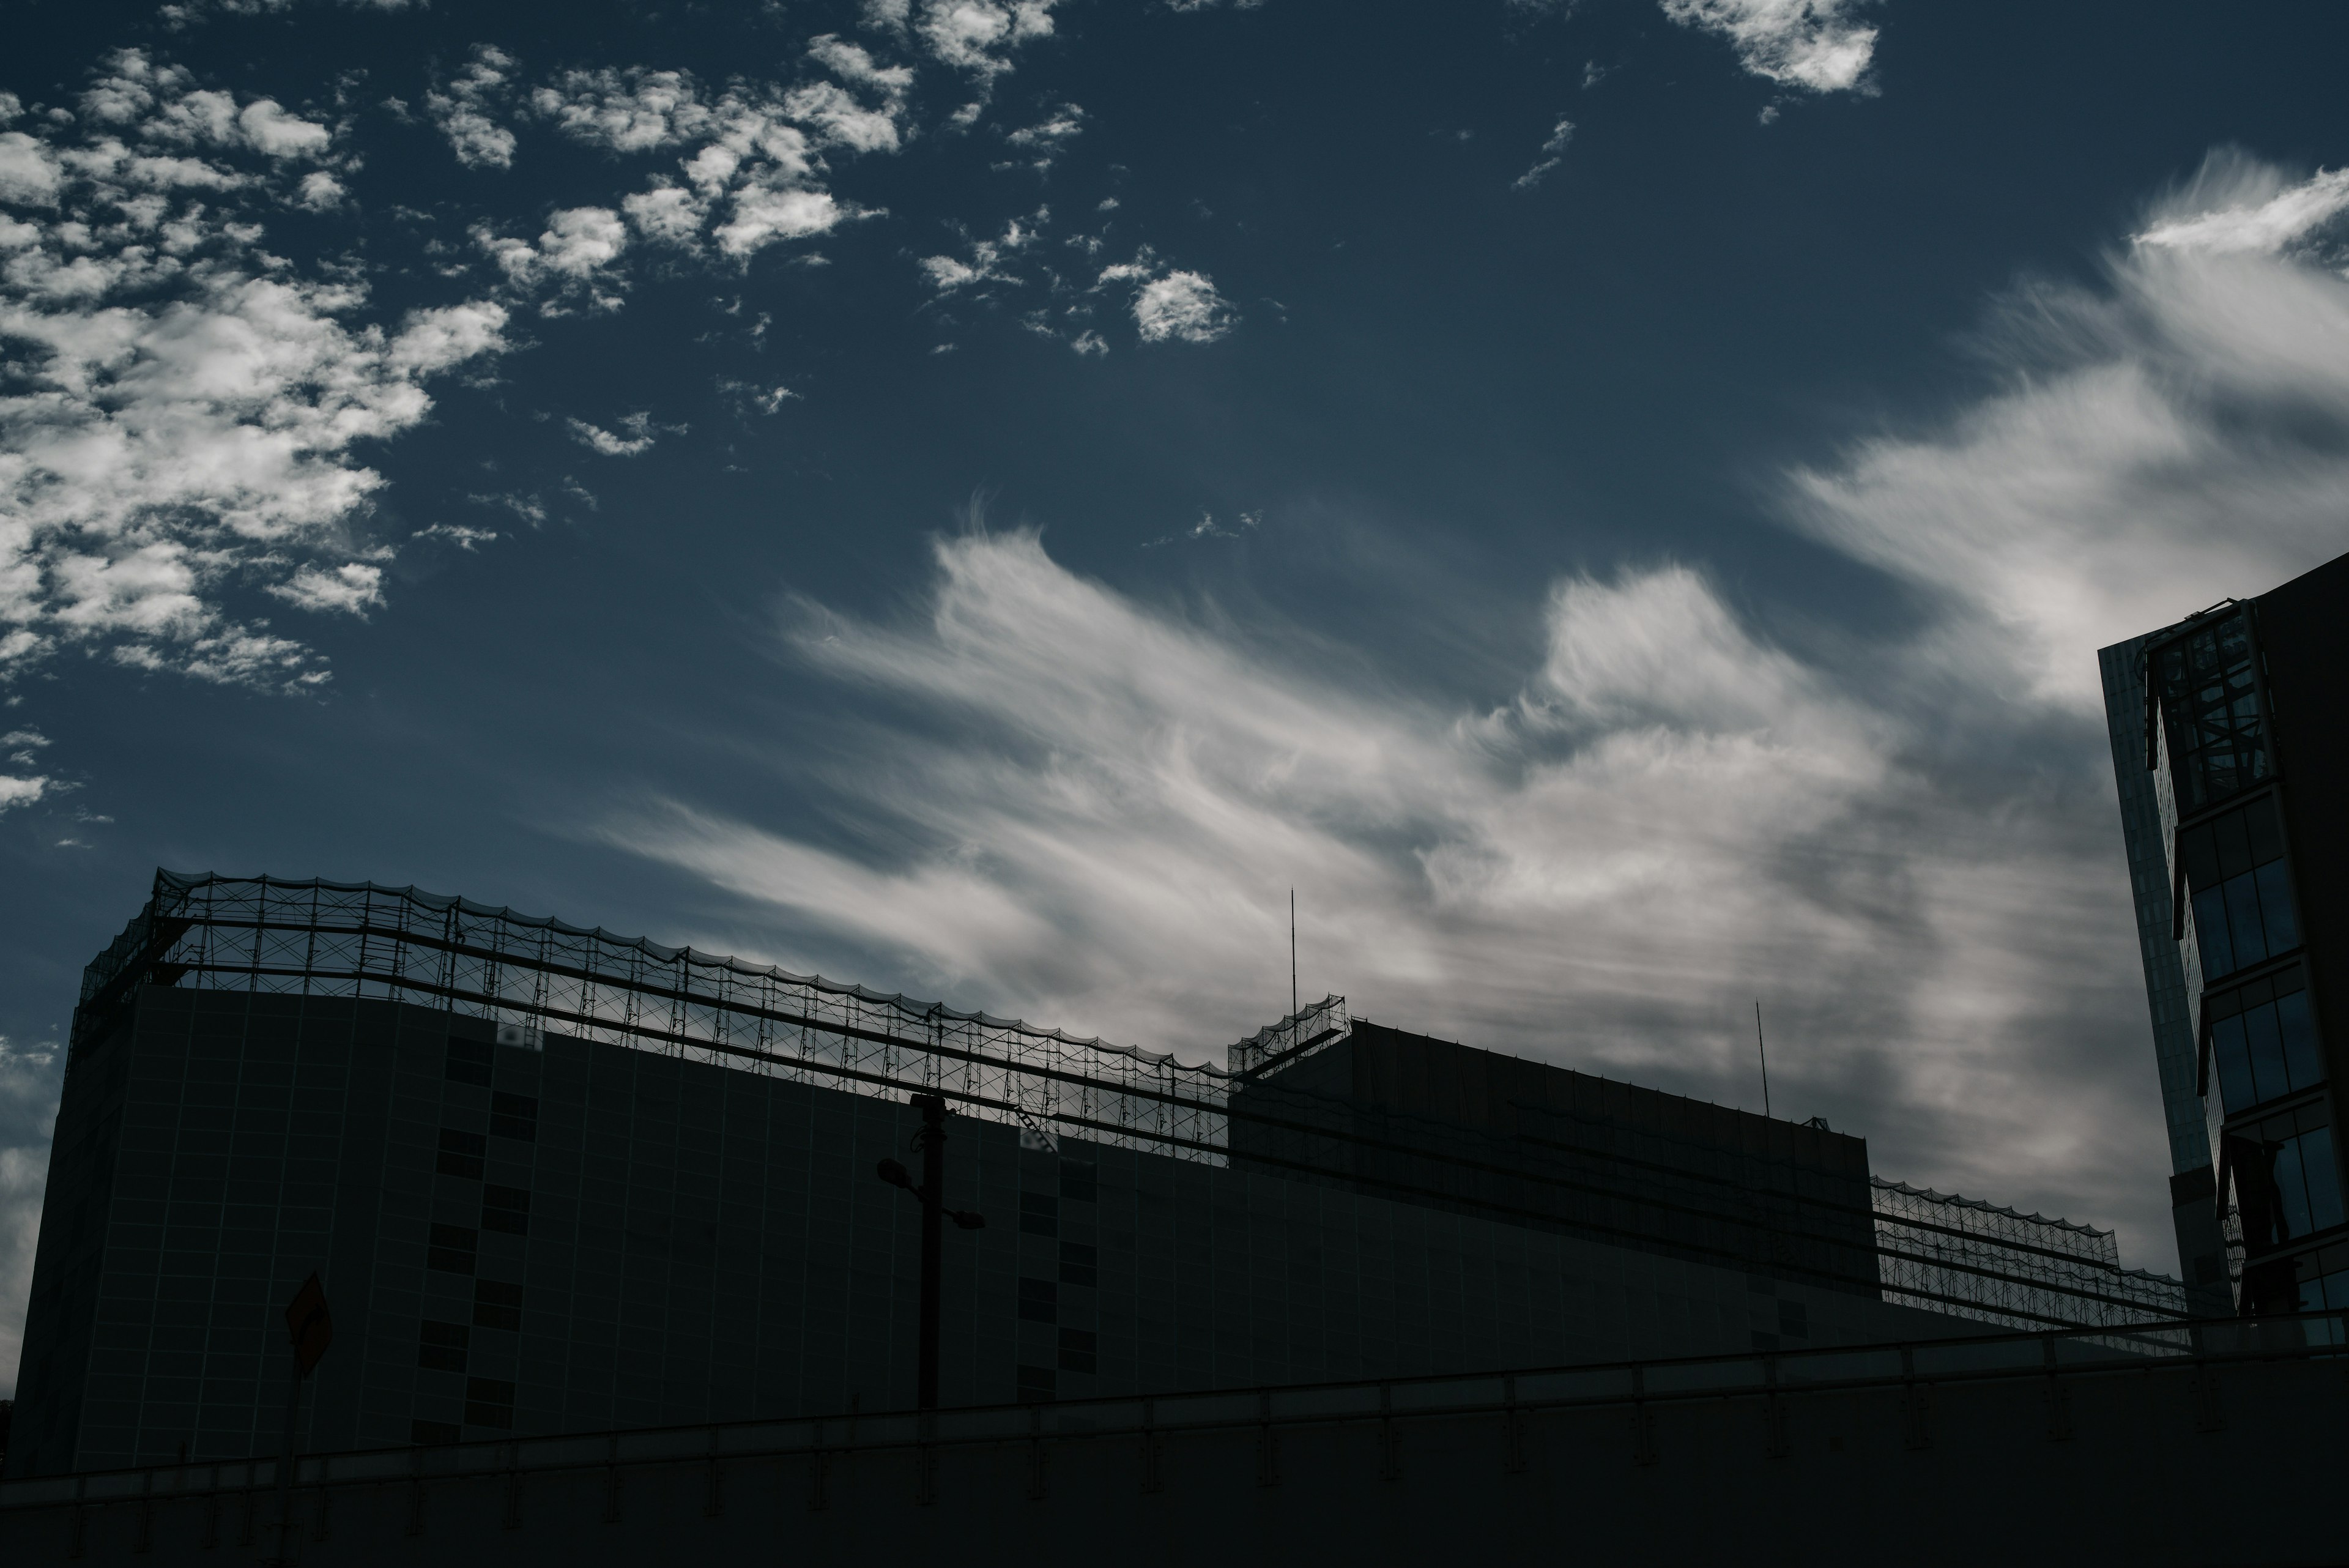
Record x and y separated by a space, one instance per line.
2222 1444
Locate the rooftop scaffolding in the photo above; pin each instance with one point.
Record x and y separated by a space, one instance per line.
1977 1259
531 976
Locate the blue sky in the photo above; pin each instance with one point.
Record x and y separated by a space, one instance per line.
1615 501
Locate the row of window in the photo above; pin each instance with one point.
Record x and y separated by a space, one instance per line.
489 1402
1039 1385
2262 1041
511 1116
1040 1212
2218 741
2240 891
2284 1178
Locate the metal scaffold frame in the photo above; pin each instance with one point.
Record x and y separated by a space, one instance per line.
532 975
529 976
1971 1259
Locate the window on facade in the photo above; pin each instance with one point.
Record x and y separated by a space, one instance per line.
2324 1286
1077 1350
496 1304
1078 1181
2211 708
426 1432
1036 1384
1080 1264
489 1402
2241 893
452 1249
1039 1214
461 1153
469 1061
1040 1300
442 1345
2285 1181
2262 1041
514 1115
506 1209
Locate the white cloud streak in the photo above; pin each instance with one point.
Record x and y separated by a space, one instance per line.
1088 810
1554 153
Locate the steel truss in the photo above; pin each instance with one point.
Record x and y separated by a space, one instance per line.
532 975
1971 1259
529 976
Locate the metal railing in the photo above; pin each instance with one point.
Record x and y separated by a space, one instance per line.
2127 1348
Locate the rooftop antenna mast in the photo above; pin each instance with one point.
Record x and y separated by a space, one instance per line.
1292 966
1764 1055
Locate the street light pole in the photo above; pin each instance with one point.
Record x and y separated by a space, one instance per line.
931 1140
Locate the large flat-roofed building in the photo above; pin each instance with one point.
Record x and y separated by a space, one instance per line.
2230 743
1387 1110
554 1180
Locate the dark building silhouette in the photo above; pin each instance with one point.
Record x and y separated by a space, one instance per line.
1386 1110
2230 741
557 1181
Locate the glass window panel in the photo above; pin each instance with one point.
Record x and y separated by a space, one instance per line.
2230 1057
2298 1031
2199 850
2211 934
2265 831
2291 1186
2323 1180
2265 1046
2243 919
2234 845
2275 906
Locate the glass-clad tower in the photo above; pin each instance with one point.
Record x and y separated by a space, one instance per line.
2230 743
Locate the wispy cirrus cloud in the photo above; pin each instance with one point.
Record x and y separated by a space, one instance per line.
1088 808
1552 154
2179 430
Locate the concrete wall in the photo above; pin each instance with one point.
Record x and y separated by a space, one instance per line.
709 1243
2021 1467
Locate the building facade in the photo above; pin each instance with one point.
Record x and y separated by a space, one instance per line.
2230 742
557 1181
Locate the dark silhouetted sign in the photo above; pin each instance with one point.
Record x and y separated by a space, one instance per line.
309 1325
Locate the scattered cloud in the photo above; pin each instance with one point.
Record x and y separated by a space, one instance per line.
979 37
984 261
354 588
751 170
466 111
184 406
1820 45
766 400
1206 528
641 434
529 508
456 534
1044 142
1554 151
1170 304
